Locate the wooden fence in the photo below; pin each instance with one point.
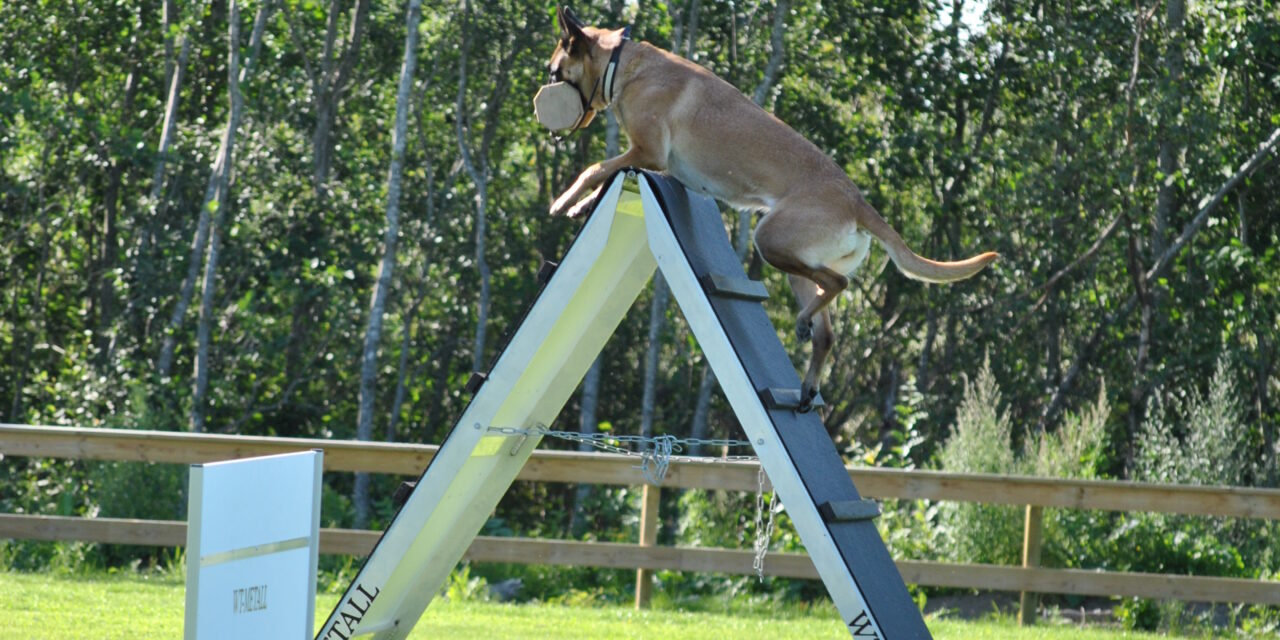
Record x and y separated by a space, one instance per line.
1033 494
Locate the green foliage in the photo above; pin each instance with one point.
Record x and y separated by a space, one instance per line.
980 443
462 587
1201 438
142 491
1024 129
1138 613
1184 445
1204 439
1077 449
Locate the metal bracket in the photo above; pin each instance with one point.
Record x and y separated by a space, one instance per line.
515 448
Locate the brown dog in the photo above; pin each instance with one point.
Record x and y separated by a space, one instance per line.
683 120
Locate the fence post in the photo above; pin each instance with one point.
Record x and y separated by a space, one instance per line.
650 498
1029 603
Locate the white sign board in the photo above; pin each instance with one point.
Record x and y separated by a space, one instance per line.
252 546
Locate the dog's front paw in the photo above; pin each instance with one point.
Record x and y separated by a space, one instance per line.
582 207
561 205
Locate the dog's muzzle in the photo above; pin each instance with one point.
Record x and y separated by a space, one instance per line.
559 106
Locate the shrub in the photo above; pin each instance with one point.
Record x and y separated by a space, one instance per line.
145 491
1195 438
1076 449
980 443
1214 446
1074 538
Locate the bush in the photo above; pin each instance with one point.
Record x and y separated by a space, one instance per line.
1074 538
980 442
1196 438
145 491
1077 449
1214 446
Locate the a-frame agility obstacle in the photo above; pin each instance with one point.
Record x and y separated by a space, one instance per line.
630 233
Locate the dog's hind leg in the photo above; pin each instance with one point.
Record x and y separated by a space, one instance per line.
822 335
784 246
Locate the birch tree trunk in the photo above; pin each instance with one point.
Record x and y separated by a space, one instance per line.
174 70
657 317
170 116
373 334
477 165
201 364
478 169
168 15
200 240
328 89
402 376
220 187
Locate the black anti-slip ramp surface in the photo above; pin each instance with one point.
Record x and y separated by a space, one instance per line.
700 231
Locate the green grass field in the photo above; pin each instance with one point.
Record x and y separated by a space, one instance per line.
100 607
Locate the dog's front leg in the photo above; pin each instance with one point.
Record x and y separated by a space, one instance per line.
571 202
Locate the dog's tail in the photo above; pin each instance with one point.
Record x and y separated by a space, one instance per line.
917 267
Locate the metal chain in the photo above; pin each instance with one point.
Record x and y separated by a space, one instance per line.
656 452
764 532
656 460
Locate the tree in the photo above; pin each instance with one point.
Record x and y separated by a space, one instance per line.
476 158
220 187
377 306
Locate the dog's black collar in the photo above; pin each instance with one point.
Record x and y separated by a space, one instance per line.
612 69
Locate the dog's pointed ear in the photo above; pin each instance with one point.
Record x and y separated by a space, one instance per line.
571 34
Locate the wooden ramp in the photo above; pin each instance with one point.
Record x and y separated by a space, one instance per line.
659 224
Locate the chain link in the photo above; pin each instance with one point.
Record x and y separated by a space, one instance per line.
655 459
764 532
656 452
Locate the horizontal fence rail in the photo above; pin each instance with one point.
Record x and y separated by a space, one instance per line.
616 469
612 555
685 473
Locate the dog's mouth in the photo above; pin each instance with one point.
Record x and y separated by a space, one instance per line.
562 107
559 107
